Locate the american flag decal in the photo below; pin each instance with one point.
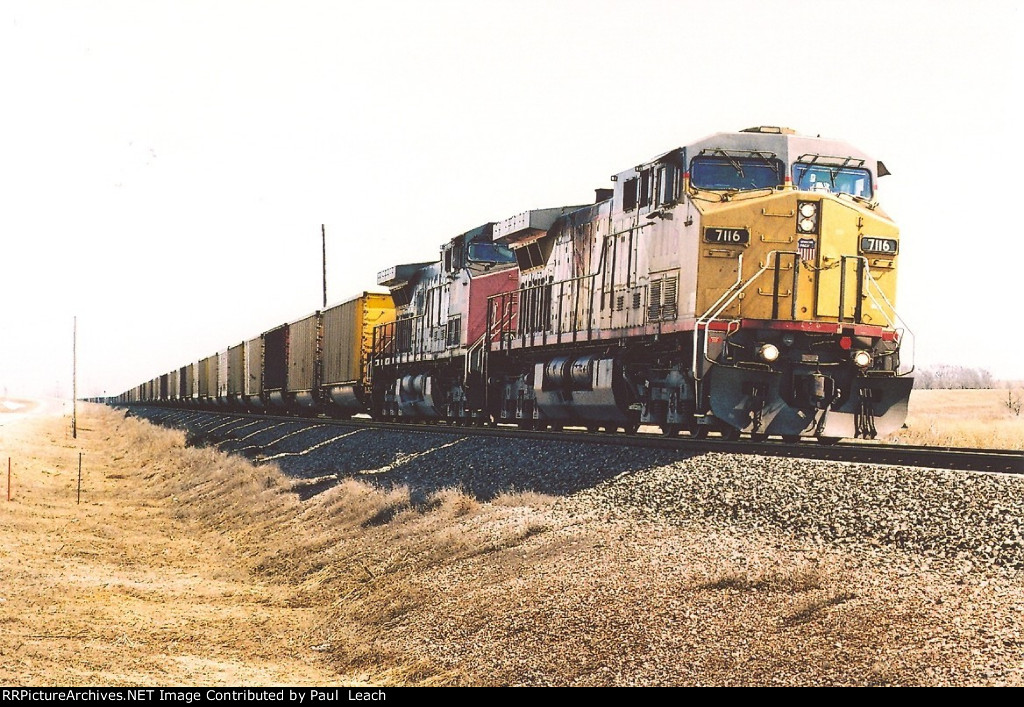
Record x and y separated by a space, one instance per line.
807 248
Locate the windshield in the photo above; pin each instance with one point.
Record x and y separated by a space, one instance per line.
490 253
835 180
736 173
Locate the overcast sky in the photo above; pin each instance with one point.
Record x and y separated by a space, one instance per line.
165 166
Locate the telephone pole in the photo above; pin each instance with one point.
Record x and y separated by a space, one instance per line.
74 379
323 242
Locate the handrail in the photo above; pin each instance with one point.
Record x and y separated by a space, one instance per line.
581 285
723 303
726 305
899 325
470 350
501 312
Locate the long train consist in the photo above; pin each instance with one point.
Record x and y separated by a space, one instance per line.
742 283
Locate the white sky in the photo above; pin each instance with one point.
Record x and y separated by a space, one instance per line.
165 166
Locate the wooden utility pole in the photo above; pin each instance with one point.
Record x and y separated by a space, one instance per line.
323 242
74 380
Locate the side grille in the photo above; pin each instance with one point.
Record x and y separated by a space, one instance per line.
663 304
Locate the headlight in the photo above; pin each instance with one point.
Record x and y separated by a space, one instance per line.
808 216
861 359
768 353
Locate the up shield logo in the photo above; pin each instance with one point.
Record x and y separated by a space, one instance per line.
808 249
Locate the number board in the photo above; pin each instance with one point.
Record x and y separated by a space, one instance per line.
874 244
727 236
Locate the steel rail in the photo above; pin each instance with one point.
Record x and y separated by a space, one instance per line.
1002 461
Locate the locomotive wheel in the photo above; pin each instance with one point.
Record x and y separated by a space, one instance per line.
758 437
700 432
632 428
829 441
791 439
670 430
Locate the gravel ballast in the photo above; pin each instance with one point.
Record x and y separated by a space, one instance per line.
969 518
966 516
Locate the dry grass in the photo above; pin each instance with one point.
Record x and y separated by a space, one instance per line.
962 418
126 588
531 499
357 549
356 553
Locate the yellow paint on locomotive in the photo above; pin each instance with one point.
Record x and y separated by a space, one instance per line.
771 221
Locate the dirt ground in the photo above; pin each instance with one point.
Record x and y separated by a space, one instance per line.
117 590
183 566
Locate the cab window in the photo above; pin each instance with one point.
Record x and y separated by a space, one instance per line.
736 173
490 253
834 180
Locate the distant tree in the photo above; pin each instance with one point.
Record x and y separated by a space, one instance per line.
948 377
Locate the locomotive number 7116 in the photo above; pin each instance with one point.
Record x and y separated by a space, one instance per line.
729 236
873 244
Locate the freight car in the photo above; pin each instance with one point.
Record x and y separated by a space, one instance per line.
320 363
741 283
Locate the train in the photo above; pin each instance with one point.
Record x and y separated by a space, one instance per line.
743 284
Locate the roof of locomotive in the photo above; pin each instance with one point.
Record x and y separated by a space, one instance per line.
783 143
787 145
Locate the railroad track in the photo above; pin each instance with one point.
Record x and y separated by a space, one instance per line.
1003 461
